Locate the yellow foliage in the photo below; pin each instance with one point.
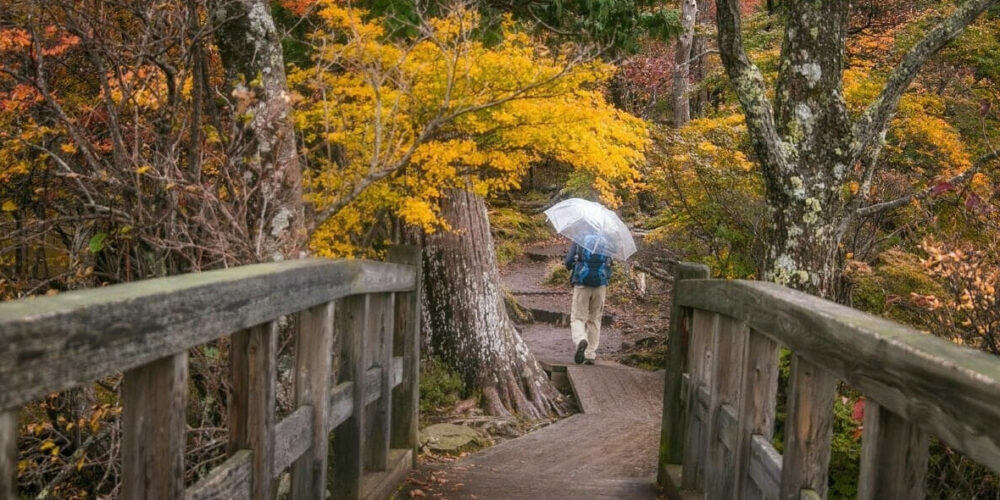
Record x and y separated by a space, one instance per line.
712 191
389 126
920 139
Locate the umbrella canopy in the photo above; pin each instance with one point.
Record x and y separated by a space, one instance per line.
593 227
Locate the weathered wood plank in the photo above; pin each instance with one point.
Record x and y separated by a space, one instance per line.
253 364
808 430
704 329
894 456
758 406
764 470
50 344
153 401
730 349
229 480
313 362
382 484
920 377
8 454
727 426
672 429
341 399
348 447
341 404
381 320
293 440
406 397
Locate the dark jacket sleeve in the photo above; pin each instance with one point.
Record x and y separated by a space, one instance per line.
570 257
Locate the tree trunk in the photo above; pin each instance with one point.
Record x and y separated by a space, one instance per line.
682 63
808 148
250 47
699 48
464 308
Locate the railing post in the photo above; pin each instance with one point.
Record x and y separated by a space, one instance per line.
406 397
808 430
379 332
8 454
672 428
893 456
723 436
313 360
701 358
758 402
153 400
252 361
347 452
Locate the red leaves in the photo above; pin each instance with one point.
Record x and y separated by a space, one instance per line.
941 187
858 413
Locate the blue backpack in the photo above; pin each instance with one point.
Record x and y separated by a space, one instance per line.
591 268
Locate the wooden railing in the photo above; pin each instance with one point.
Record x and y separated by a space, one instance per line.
145 330
721 390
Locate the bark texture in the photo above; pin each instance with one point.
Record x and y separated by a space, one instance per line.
464 309
808 148
250 46
682 65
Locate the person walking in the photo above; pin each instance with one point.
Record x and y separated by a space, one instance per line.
591 271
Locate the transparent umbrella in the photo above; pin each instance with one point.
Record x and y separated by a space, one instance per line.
592 226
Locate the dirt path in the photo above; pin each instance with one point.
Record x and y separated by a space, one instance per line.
608 450
548 337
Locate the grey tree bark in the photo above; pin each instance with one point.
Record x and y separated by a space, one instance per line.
699 51
250 46
808 148
464 309
682 63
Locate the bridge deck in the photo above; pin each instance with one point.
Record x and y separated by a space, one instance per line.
607 451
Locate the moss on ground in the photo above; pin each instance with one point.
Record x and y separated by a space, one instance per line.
557 275
440 387
513 229
880 289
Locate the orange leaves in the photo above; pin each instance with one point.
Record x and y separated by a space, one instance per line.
14 39
298 7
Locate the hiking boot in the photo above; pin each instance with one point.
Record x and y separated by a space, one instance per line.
580 348
588 361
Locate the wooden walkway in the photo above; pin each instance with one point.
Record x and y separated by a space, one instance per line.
607 451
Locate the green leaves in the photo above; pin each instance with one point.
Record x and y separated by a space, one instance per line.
96 243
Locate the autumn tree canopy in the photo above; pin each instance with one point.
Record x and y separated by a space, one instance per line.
390 126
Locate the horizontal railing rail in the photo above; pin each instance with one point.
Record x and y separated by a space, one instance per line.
719 420
145 329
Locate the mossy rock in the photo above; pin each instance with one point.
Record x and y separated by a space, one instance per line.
449 437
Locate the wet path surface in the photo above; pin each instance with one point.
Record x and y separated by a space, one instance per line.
609 450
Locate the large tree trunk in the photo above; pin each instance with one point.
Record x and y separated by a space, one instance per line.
809 150
469 325
255 71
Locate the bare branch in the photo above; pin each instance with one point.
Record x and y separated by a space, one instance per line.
963 177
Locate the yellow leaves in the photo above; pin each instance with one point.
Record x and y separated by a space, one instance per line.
418 213
143 169
8 206
68 148
446 112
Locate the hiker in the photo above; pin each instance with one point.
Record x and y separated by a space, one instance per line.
590 274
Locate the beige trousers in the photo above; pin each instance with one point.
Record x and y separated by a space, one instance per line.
585 317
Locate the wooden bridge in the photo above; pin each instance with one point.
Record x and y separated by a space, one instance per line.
356 375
